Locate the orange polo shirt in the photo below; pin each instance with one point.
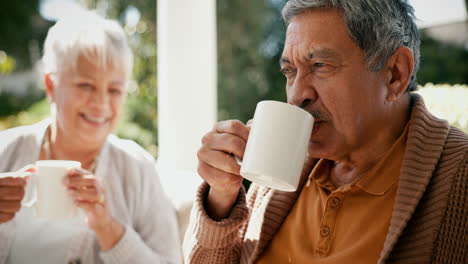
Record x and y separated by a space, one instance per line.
330 225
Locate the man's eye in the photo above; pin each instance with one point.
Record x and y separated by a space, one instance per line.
319 65
287 72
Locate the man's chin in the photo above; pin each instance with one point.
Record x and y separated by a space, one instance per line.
316 150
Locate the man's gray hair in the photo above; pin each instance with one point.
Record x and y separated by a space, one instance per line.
379 27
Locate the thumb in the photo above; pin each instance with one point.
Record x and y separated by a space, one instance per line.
26 171
28 168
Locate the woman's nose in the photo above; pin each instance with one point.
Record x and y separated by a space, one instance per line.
100 96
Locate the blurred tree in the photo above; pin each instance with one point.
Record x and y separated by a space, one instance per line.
22 29
442 63
249 44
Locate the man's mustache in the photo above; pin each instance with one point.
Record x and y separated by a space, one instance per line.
319 115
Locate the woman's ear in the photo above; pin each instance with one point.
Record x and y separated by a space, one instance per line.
50 86
399 69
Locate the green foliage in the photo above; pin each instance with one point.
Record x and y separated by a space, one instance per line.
21 30
442 63
7 63
10 104
139 122
249 44
30 115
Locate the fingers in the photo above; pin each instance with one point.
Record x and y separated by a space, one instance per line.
5 217
89 207
12 182
219 179
217 165
218 159
226 137
91 195
11 193
80 179
28 168
10 206
224 142
234 127
84 188
24 172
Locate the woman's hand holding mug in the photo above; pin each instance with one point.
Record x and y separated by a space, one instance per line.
88 194
12 190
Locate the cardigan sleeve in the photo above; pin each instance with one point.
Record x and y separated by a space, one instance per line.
210 241
153 237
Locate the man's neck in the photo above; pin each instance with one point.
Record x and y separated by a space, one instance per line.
351 167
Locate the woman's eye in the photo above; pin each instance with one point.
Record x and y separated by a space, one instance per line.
85 86
115 91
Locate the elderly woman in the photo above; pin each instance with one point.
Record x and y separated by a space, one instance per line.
129 219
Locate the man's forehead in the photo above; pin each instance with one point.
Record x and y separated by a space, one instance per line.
313 53
316 33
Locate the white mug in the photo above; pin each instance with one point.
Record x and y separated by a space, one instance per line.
277 145
49 196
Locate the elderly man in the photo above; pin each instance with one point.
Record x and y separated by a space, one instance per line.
385 181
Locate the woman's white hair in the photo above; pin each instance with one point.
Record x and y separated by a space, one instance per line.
101 41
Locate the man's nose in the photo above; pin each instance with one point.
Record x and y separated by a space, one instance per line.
301 91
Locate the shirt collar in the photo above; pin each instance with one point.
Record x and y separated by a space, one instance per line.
378 180
385 173
321 175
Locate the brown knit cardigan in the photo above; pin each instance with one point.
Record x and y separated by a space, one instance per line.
428 224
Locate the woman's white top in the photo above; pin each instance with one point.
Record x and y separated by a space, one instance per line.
134 196
42 239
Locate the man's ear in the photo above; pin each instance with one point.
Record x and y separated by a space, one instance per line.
50 86
399 69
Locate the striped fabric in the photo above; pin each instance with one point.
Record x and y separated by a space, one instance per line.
429 221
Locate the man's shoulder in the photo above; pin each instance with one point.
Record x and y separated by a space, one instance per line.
456 142
453 161
458 135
